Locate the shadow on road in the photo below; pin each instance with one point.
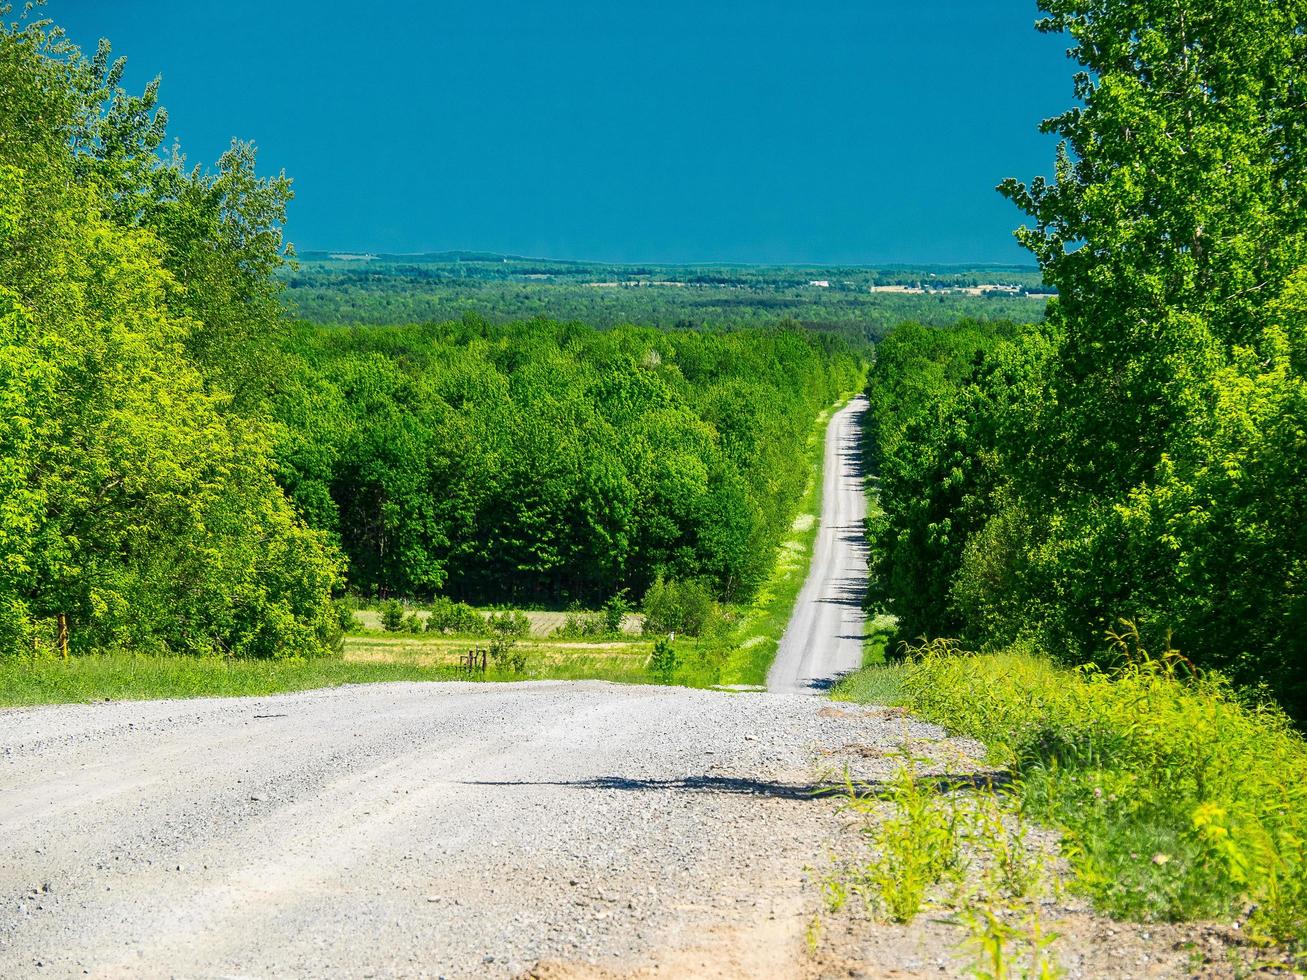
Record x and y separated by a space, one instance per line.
735 786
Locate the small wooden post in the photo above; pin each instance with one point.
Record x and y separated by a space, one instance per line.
483 661
62 635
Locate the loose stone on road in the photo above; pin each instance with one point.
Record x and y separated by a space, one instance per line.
413 830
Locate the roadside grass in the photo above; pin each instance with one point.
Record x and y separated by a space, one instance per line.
874 684
366 659
966 856
757 635
879 632
128 677
1177 798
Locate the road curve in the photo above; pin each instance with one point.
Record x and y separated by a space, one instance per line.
824 638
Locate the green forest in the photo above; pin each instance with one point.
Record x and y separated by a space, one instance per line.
862 303
1141 456
184 469
548 463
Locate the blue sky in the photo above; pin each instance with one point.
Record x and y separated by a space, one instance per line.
761 131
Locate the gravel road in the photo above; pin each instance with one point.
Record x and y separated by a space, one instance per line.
445 829
824 638
415 830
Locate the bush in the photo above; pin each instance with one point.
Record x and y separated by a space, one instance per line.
506 654
448 616
579 627
509 624
664 660
615 610
392 616
685 607
346 614
413 623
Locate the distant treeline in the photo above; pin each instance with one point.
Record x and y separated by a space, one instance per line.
395 289
546 462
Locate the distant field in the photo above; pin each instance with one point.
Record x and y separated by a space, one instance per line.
623 661
543 624
861 302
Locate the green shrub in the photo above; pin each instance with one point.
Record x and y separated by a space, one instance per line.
346 611
664 660
510 623
506 654
392 616
413 623
686 607
615 610
579 627
448 616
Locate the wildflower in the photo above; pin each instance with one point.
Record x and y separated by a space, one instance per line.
1160 859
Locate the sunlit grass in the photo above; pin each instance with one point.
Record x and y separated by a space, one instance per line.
620 661
1178 798
366 659
125 677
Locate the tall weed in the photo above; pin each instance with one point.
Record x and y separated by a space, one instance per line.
1179 799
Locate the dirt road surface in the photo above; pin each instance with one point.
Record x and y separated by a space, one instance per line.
824 638
551 829
414 830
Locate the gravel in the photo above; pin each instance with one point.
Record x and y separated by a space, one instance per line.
823 639
415 829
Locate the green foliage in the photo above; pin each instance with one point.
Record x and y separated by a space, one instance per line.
347 618
685 607
546 463
137 502
945 407
1142 456
506 655
1178 798
615 610
578 626
509 623
448 616
914 846
664 661
392 616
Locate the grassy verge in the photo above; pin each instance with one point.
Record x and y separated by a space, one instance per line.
366 659
757 636
1176 798
124 677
